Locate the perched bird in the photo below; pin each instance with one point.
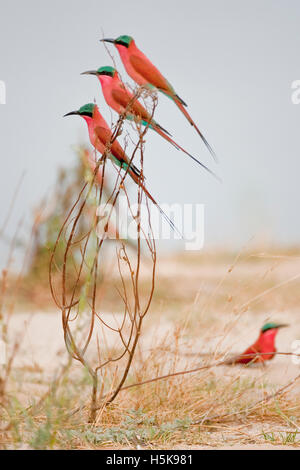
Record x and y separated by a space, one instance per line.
263 349
143 72
101 138
120 98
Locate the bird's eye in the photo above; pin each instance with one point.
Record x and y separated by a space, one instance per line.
109 74
123 43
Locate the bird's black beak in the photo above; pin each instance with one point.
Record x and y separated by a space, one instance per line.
107 40
90 72
71 113
282 325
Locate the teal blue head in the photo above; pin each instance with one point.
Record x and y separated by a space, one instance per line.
272 326
86 110
102 71
122 41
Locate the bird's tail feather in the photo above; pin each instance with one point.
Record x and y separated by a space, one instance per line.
138 181
186 114
162 134
134 170
181 100
161 128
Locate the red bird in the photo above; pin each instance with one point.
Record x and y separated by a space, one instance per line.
101 138
120 98
143 72
263 349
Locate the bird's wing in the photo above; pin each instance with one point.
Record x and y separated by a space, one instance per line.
123 97
251 354
254 349
116 151
150 73
103 135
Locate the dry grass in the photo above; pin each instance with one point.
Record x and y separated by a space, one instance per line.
210 303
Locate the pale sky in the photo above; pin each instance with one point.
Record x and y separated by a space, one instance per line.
232 61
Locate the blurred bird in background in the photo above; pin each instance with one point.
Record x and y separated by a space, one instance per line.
263 349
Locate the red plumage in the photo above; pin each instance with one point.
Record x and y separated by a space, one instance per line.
143 72
262 350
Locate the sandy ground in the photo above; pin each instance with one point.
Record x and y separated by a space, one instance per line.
223 334
42 342
43 348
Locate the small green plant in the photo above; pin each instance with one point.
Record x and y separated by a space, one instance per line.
269 436
136 428
289 437
281 437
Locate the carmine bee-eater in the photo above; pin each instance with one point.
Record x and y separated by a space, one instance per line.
143 72
263 349
101 138
120 98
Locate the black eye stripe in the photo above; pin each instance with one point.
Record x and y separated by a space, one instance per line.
87 114
110 74
122 43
